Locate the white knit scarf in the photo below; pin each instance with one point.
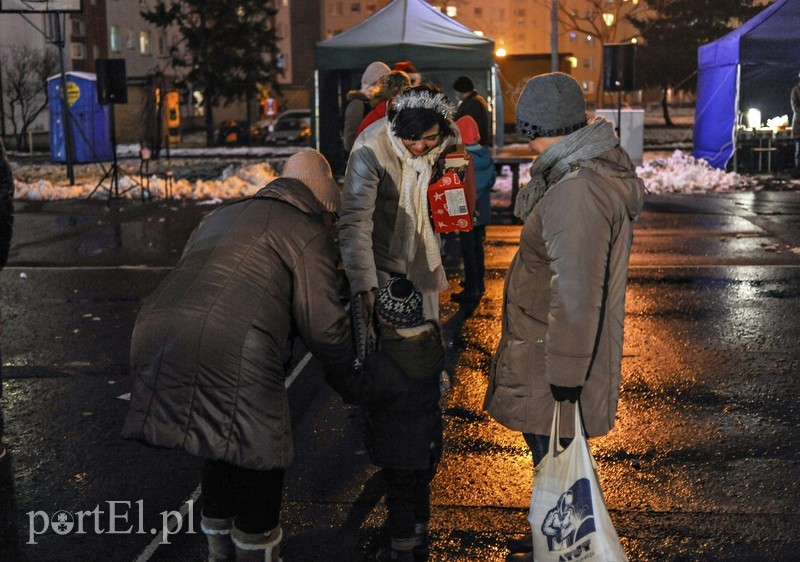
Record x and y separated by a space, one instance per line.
413 230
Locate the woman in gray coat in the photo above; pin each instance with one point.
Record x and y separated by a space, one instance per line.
564 298
211 346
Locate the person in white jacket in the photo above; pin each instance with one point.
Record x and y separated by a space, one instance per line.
384 227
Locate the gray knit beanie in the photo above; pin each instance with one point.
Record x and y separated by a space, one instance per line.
551 105
311 168
374 72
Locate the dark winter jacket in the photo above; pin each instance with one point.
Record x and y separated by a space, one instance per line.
476 107
6 206
211 346
358 105
404 417
795 99
485 176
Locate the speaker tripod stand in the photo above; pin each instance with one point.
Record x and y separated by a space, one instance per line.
112 174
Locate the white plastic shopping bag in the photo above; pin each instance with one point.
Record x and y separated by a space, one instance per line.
568 515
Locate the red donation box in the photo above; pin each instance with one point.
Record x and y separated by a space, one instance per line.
447 195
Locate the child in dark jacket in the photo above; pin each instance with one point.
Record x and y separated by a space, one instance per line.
404 420
473 240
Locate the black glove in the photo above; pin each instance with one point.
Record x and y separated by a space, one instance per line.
355 387
562 393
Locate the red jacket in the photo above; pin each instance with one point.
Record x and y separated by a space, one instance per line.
378 112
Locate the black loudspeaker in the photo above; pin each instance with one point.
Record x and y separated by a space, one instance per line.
112 84
619 67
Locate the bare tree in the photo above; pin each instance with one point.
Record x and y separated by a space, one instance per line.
609 21
25 73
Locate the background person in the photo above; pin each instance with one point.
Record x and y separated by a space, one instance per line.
472 241
384 226
474 105
408 67
394 83
360 102
211 346
564 296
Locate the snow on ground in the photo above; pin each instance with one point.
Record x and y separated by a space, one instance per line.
218 180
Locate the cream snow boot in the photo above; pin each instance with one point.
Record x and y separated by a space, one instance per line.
218 534
258 547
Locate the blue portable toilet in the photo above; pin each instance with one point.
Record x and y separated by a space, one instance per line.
89 120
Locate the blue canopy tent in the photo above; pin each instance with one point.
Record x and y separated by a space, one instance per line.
753 66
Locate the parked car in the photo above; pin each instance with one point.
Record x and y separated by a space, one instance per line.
291 127
233 132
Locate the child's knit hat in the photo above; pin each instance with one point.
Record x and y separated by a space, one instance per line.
399 303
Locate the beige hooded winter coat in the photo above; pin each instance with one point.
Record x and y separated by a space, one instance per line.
564 300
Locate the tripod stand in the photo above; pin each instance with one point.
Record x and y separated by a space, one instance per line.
113 172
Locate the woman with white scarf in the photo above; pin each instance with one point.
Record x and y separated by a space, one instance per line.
384 226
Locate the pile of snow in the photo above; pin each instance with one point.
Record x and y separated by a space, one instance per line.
662 173
234 182
682 173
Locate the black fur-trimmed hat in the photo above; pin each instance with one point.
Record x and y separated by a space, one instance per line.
399 303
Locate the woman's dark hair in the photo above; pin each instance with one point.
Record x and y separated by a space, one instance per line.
418 109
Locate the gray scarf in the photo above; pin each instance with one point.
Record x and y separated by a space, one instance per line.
551 165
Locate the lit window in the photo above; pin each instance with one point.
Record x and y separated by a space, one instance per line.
452 11
144 42
78 51
572 36
78 28
113 39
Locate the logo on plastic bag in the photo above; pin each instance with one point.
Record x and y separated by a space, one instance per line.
571 519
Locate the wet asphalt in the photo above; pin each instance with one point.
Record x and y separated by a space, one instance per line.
702 464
